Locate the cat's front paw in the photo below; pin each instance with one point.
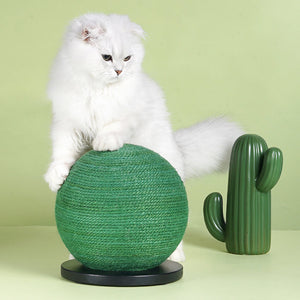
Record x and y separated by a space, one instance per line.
108 142
56 175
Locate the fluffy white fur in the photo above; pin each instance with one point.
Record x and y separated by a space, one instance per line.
94 107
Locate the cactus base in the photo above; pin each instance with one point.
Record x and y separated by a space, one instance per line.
247 252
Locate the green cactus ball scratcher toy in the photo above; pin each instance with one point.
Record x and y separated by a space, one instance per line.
254 171
121 214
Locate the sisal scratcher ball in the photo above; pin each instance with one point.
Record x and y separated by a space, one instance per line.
123 210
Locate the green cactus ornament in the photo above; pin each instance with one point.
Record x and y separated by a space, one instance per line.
254 171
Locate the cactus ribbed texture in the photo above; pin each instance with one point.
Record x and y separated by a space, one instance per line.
254 171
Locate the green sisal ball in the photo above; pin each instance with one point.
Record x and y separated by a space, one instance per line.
124 210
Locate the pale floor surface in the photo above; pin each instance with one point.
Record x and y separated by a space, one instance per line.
30 259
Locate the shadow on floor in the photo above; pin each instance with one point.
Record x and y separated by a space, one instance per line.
203 240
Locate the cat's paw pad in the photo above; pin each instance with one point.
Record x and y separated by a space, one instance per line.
56 175
109 142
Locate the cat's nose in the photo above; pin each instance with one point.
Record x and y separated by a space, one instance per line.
118 72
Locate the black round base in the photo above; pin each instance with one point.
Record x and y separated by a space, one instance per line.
167 272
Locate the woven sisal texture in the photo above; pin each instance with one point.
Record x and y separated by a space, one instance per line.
124 210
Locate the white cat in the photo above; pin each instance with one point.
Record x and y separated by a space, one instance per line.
102 99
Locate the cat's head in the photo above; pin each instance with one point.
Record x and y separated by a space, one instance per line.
107 47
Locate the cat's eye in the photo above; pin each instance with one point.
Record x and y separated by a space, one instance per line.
106 57
127 58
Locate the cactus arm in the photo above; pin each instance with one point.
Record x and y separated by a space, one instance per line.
271 170
213 216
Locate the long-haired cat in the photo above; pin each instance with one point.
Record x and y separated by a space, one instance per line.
102 99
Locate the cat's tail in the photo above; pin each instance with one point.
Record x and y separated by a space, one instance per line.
206 146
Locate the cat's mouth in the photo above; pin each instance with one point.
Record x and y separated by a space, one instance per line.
117 78
114 79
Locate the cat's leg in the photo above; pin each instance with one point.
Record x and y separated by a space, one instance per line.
178 254
162 142
67 147
168 150
111 137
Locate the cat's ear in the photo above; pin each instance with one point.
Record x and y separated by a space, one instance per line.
89 34
85 35
138 31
